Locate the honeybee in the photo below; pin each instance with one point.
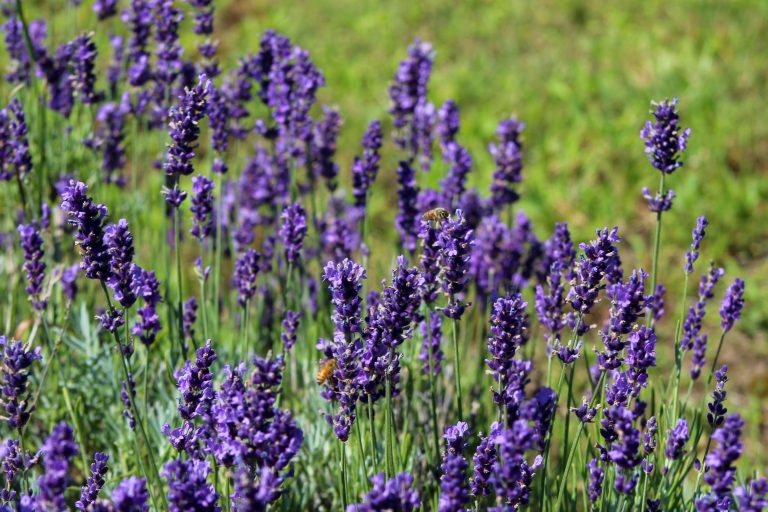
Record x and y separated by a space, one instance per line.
325 373
436 215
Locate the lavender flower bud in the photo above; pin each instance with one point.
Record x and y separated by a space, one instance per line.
454 492
15 361
292 232
188 486
596 476
509 163
195 385
698 235
88 219
394 494
202 207
184 130
730 309
131 495
83 77
92 488
34 266
366 168
408 212
290 326
664 140
677 437
58 449
124 274
244 278
455 242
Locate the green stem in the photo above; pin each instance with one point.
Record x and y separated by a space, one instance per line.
372 428
203 296
390 461
217 262
432 393
457 370
656 245
344 497
363 458
136 413
717 356
180 286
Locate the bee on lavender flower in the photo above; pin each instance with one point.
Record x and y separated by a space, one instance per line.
436 215
325 373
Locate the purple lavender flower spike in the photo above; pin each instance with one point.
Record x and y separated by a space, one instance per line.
202 207
195 384
324 136
641 355
432 336
292 231
124 274
482 463
365 168
83 77
408 95
345 282
290 326
698 356
454 491
730 309
394 494
717 410
104 9
721 473
509 331
407 219
507 154
18 156
255 494
655 307
188 486
696 313
58 450
455 183
659 202
139 18
184 129
148 325
111 117
649 437
753 498
189 318
131 495
448 124
455 242
244 278
88 219
664 139
677 437
15 361
698 235
596 476
69 281
512 478
95 482
600 260
34 266
584 412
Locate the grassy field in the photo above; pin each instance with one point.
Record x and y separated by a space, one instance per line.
581 75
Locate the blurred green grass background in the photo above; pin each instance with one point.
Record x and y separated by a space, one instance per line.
581 74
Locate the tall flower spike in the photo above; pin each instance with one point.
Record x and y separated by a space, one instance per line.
717 410
482 463
324 136
599 261
753 498
34 266
695 316
665 141
698 235
195 384
244 278
188 487
88 219
677 437
131 495
58 450
596 476
730 309
454 492
455 242
408 212
124 274
396 493
292 231
18 142
95 482
507 154
290 326
509 331
366 167
432 334
721 473
202 207
148 324
83 77
15 361
184 129
104 8
408 92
